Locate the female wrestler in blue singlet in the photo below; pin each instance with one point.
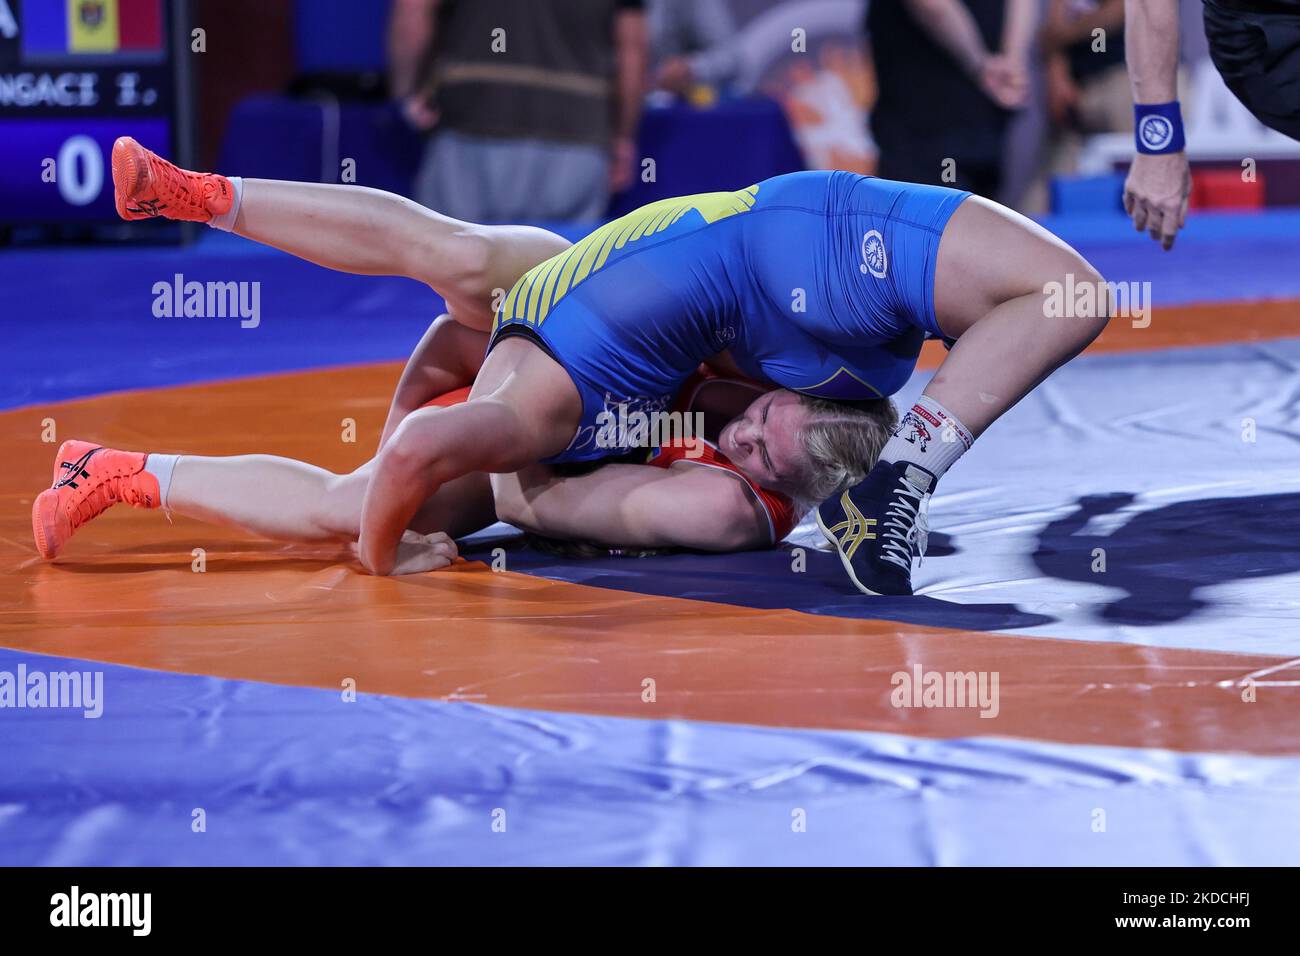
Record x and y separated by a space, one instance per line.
819 282
824 283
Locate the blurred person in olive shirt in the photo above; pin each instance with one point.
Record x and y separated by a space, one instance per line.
532 105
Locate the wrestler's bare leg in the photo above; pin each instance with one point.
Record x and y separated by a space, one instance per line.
432 474
448 356
989 294
288 500
372 232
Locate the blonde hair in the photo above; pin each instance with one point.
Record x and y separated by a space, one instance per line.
841 443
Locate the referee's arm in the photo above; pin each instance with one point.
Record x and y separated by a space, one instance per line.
1151 49
1155 194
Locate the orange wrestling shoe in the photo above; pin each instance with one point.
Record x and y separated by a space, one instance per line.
88 480
145 185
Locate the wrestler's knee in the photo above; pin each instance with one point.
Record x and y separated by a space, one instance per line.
1087 299
455 264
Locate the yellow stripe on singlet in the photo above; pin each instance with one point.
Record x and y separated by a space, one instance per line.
542 286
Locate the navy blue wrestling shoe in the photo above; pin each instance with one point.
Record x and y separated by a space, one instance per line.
879 525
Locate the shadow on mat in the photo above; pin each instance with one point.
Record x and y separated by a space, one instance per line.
1162 557
766 580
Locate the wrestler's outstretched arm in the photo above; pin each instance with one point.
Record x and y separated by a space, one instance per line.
687 506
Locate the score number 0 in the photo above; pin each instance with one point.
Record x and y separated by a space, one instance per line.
79 171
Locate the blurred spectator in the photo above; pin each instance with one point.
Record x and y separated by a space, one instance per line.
1087 88
1083 47
949 73
533 104
694 45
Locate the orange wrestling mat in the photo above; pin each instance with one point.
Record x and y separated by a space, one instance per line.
1183 325
125 592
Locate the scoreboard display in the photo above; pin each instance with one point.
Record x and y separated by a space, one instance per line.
74 76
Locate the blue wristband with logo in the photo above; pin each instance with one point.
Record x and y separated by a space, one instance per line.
1158 127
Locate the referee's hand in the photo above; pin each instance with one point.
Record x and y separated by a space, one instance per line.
1155 194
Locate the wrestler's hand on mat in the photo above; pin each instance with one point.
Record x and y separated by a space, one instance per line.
1155 194
418 553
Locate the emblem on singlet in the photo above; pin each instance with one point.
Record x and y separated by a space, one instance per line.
874 259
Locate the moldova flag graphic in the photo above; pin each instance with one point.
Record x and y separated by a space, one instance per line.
91 26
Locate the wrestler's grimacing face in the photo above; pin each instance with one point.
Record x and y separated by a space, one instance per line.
763 441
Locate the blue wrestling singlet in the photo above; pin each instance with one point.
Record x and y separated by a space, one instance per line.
819 282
